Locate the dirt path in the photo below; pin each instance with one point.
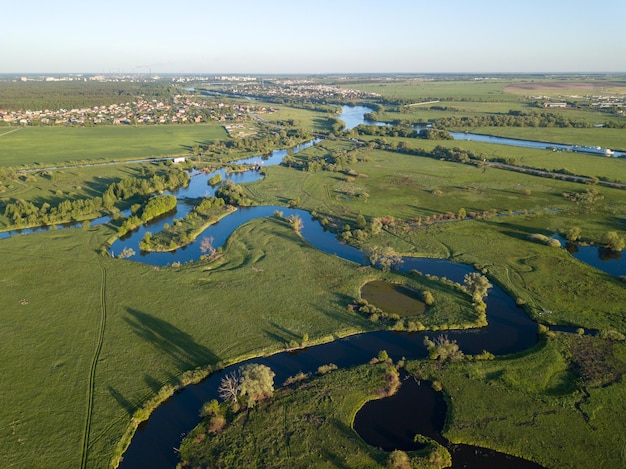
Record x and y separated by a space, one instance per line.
92 369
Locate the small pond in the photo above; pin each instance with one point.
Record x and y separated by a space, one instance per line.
393 298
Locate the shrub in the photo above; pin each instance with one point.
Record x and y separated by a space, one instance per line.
427 297
613 335
399 460
294 379
324 369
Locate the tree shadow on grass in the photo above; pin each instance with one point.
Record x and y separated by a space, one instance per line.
127 405
341 314
174 343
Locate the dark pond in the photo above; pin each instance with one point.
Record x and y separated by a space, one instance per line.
392 298
417 409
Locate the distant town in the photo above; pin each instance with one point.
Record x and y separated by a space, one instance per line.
182 110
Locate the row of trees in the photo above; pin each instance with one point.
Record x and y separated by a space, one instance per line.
24 213
518 119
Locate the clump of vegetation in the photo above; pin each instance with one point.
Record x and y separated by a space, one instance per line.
185 230
323 369
588 197
477 286
427 297
215 180
296 378
248 385
155 207
573 234
383 257
614 241
233 194
215 414
443 349
543 239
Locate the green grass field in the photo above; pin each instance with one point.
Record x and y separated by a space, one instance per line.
407 187
418 90
582 164
47 146
410 187
310 120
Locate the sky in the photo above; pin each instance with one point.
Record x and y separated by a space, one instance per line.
313 37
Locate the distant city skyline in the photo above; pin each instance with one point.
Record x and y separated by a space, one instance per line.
315 37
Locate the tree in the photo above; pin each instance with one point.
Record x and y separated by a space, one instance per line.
296 223
428 298
477 285
399 460
229 386
361 222
206 246
443 349
573 234
383 257
614 241
256 383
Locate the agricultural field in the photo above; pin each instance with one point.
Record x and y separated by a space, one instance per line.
92 344
50 146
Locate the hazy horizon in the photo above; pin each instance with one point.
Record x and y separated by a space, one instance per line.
278 37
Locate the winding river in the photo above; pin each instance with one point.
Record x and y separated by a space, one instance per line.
509 330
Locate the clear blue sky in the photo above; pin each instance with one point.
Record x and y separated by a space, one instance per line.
321 36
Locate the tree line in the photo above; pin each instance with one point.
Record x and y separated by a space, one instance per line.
22 213
519 119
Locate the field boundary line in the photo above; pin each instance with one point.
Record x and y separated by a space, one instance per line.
92 369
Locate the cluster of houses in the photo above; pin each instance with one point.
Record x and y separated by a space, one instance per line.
180 110
302 89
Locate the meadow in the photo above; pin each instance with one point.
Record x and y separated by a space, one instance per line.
130 340
50 146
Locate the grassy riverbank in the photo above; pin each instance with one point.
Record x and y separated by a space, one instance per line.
305 425
560 404
131 337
